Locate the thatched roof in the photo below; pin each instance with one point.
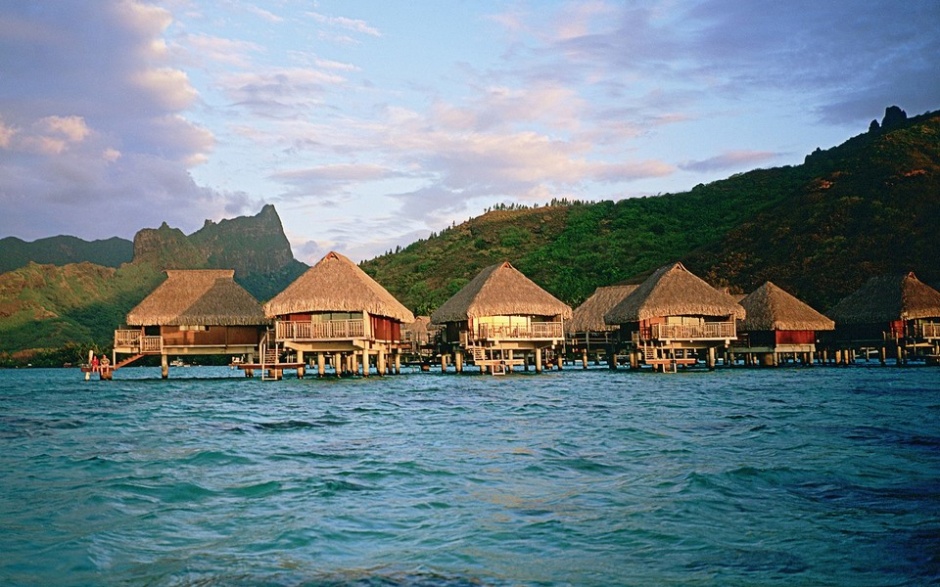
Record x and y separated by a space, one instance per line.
205 297
771 308
886 298
673 291
500 290
589 316
336 284
420 329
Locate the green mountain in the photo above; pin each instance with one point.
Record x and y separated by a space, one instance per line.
61 311
820 229
868 206
62 250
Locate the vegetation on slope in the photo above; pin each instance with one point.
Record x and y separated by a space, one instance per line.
48 307
819 229
62 250
868 207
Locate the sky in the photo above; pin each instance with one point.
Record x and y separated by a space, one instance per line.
371 124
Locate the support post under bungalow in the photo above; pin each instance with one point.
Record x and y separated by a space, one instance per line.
300 367
458 360
538 360
338 364
397 362
584 358
365 359
164 366
380 362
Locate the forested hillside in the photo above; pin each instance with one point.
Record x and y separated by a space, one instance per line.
62 250
868 206
52 314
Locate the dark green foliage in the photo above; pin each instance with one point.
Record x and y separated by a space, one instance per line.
871 205
62 250
44 307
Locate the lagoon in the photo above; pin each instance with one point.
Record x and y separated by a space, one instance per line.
799 476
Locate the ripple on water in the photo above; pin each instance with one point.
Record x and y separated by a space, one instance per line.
809 476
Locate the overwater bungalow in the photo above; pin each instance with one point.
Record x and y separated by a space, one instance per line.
499 319
419 338
778 325
894 314
193 312
672 317
336 311
587 332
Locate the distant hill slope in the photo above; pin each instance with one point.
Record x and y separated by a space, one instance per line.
819 229
44 306
870 206
866 207
62 250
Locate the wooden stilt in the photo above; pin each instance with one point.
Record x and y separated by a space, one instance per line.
164 367
380 362
538 360
397 362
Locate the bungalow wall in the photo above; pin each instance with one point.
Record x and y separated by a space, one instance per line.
870 332
210 335
385 328
772 338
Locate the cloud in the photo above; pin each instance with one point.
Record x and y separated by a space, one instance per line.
328 180
93 127
844 60
218 50
265 14
279 92
349 24
729 160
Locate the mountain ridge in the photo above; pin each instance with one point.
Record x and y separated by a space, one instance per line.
868 206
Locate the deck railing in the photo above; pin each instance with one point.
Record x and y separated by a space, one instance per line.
929 330
334 329
704 331
137 341
535 330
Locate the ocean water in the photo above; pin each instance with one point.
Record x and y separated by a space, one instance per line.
799 476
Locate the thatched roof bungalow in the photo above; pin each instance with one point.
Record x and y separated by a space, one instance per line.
500 290
336 307
675 308
198 312
673 291
589 316
502 309
889 307
778 322
772 308
198 297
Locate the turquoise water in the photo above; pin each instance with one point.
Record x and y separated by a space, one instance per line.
822 476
